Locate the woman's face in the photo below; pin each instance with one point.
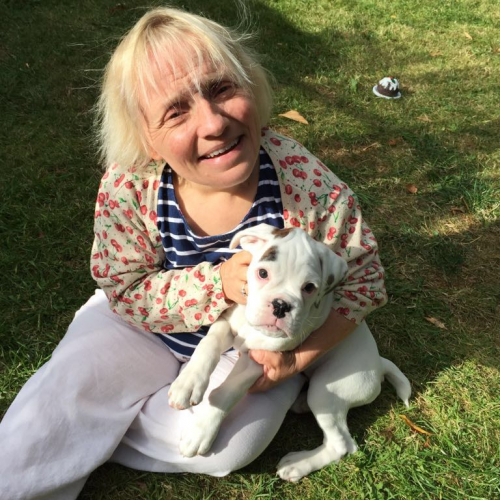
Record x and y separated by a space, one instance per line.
209 138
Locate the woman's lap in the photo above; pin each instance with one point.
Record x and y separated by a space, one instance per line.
152 441
105 378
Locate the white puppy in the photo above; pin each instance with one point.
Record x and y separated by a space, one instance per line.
290 283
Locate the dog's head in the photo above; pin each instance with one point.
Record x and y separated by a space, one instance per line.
290 283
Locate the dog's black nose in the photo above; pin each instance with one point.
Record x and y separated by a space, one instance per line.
280 308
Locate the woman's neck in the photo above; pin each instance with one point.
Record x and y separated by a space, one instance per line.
211 211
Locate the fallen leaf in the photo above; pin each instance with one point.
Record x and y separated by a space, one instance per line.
467 35
372 145
414 426
437 323
436 54
393 16
395 141
295 116
424 118
411 189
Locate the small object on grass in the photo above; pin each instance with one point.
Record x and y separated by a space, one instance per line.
437 323
411 189
424 118
387 88
295 116
414 426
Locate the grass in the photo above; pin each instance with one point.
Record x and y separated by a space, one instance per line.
439 245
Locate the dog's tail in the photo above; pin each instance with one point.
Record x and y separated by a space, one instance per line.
396 377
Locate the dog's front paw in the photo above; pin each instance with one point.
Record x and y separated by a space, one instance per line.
187 389
199 438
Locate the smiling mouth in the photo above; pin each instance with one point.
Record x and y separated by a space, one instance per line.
222 151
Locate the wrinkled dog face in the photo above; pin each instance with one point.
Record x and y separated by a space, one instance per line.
290 283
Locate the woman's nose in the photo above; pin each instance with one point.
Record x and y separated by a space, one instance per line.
211 120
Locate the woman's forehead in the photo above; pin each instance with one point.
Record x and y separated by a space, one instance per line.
179 74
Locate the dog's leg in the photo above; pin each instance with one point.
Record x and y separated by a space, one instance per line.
190 386
330 402
208 417
330 413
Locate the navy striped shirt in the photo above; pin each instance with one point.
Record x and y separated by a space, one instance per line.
183 248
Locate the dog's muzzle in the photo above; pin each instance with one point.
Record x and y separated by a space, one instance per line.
280 308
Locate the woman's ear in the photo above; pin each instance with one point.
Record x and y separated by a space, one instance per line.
154 155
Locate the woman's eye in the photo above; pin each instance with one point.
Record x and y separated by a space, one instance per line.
223 90
172 115
309 288
263 274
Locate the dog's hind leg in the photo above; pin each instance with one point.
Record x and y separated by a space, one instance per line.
331 413
330 401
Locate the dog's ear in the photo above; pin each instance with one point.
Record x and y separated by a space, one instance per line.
334 269
254 238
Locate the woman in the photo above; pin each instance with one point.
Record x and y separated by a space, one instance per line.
187 166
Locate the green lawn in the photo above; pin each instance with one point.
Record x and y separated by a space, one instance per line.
440 245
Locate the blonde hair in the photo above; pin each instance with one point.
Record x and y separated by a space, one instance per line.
156 39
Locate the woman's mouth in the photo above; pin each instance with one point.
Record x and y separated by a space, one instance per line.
222 151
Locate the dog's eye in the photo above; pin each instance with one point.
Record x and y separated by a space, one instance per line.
309 288
263 274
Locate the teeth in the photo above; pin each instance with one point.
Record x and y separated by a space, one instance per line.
223 150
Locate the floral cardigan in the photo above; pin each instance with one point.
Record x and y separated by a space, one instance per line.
127 254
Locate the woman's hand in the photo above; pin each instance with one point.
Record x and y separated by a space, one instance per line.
277 366
233 274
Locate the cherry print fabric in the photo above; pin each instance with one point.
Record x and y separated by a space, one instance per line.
127 254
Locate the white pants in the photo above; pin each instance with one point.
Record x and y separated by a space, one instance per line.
103 396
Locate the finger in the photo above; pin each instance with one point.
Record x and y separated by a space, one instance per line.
243 273
245 257
257 355
240 295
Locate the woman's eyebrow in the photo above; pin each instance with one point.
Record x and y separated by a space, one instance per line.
205 87
175 100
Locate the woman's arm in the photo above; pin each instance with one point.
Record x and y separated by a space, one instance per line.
317 201
127 263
